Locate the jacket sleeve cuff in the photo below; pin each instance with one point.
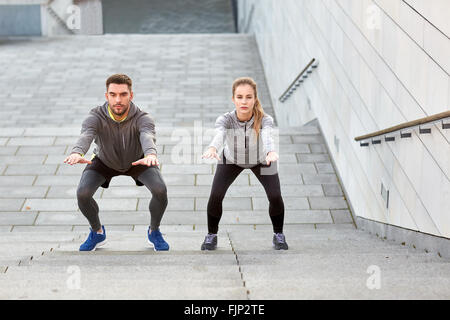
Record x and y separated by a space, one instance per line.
77 150
216 146
150 151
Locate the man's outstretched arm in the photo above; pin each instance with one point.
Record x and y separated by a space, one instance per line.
147 139
147 135
88 132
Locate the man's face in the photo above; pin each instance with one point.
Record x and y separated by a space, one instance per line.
119 97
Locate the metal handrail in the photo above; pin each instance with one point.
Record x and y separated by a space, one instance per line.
407 125
298 80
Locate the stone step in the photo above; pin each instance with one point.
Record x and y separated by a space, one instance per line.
306 240
24 249
267 259
249 217
341 266
101 280
28 237
308 246
164 132
255 262
127 258
246 243
111 291
196 271
349 289
5 262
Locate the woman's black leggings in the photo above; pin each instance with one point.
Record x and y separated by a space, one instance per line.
224 177
92 180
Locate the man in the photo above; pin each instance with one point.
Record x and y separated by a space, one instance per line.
125 145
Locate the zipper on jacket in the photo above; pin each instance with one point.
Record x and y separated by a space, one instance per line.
245 135
123 137
123 141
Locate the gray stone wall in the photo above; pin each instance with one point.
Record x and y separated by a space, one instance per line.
162 16
382 63
20 20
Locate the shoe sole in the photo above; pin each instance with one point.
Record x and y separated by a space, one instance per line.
279 248
204 248
100 244
96 246
153 246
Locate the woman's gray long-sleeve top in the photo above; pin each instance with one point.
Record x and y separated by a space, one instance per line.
238 138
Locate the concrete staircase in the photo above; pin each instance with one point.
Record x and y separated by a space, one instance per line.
182 80
323 262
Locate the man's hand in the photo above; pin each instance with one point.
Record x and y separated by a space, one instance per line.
271 157
149 160
211 153
76 158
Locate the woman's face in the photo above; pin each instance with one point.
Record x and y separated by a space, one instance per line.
244 100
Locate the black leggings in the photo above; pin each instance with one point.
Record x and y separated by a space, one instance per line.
224 177
91 180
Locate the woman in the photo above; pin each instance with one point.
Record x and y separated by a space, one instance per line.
245 134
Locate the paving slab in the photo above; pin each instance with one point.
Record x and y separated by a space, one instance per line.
285 179
290 203
17 217
23 192
328 203
21 159
13 181
341 216
8 151
31 150
31 141
24 169
207 179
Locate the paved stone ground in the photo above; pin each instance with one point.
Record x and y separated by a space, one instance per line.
49 85
173 16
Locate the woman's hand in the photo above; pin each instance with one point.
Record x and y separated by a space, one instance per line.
271 157
149 160
210 154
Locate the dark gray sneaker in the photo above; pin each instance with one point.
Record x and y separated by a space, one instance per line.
210 242
279 242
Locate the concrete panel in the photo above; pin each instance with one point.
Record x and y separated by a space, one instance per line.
20 20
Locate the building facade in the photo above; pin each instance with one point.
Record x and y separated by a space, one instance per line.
381 63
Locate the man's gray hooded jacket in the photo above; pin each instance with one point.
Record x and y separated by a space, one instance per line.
118 144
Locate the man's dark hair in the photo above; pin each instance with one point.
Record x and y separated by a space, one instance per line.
119 79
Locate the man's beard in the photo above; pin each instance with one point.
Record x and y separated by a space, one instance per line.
124 108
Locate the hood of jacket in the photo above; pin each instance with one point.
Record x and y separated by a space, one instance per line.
241 124
104 113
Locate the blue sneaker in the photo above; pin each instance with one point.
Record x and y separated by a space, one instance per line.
94 240
156 240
